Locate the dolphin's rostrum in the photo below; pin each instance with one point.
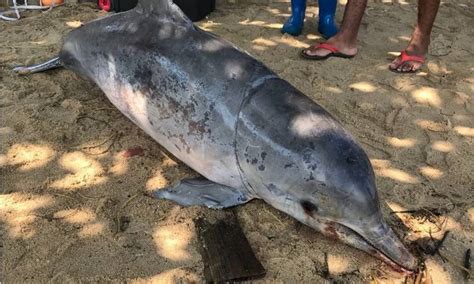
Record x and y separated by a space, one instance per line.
249 133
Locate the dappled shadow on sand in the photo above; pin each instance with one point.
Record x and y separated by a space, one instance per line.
79 214
417 129
74 173
73 169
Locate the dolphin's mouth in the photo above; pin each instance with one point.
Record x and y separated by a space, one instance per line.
386 258
386 245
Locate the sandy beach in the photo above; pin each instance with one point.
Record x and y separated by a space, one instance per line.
74 170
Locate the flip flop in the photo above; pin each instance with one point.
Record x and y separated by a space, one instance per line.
334 53
407 58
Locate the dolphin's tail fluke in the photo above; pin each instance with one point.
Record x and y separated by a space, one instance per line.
48 65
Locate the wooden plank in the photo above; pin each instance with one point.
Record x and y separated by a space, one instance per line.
225 250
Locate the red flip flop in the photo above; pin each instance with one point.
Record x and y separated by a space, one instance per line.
334 53
407 58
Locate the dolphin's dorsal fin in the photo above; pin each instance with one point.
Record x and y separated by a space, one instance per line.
155 5
163 8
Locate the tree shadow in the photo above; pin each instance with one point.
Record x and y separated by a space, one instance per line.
74 235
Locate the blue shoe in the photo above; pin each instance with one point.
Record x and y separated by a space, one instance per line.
327 10
327 27
294 25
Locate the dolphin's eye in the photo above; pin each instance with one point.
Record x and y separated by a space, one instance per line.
308 207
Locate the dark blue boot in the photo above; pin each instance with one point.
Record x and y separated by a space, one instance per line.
294 25
327 10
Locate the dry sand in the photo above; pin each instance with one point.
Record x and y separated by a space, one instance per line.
71 164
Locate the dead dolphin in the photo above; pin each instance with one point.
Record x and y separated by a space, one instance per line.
249 133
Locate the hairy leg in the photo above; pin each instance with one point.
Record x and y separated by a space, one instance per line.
420 39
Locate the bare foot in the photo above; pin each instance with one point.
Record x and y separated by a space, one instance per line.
342 47
407 63
413 57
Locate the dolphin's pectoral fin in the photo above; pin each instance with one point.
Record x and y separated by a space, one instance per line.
201 191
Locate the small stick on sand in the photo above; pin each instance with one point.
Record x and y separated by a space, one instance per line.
129 200
273 215
95 119
326 273
66 195
114 138
439 244
88 197
467 264
418 278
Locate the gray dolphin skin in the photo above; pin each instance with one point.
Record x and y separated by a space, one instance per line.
249 133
